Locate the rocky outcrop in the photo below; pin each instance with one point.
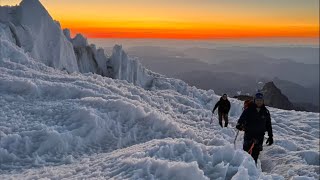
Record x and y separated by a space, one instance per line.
273 97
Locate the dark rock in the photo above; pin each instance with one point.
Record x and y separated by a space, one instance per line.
273 97
243 97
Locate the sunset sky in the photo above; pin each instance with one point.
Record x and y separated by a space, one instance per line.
186 19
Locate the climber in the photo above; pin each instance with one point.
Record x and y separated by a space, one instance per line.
255 121
223 106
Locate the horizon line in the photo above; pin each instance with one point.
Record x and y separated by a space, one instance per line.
306 40
196 35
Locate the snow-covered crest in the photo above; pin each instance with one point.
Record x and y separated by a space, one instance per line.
33 29
30 27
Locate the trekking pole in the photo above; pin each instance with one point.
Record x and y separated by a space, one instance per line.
211 119
235 139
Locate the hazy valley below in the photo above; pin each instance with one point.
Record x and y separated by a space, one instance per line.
233 68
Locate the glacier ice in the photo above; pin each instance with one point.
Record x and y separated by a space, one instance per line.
39 35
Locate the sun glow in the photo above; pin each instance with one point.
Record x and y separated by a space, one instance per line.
188 19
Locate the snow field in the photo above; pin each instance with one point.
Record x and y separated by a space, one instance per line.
49 117
157 159
64 122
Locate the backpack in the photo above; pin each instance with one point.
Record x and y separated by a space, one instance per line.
246 104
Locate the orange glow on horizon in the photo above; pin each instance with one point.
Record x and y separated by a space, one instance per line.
186 19
197 33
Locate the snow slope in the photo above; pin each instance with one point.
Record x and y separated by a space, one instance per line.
101 127
56 125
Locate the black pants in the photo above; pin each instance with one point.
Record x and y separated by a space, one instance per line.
223 116
249 140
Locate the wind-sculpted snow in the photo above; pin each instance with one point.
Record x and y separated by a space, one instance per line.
156 159
51 118
141 125
54 125
296 146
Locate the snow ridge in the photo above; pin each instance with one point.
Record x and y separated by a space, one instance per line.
41 37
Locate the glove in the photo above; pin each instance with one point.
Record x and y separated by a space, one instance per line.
239 127
270 141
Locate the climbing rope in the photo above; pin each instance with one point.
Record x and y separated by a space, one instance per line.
251 148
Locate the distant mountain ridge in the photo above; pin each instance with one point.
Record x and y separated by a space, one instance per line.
298 93
273 97
235 76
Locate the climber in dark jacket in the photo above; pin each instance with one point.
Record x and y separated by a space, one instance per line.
255 121
223 106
